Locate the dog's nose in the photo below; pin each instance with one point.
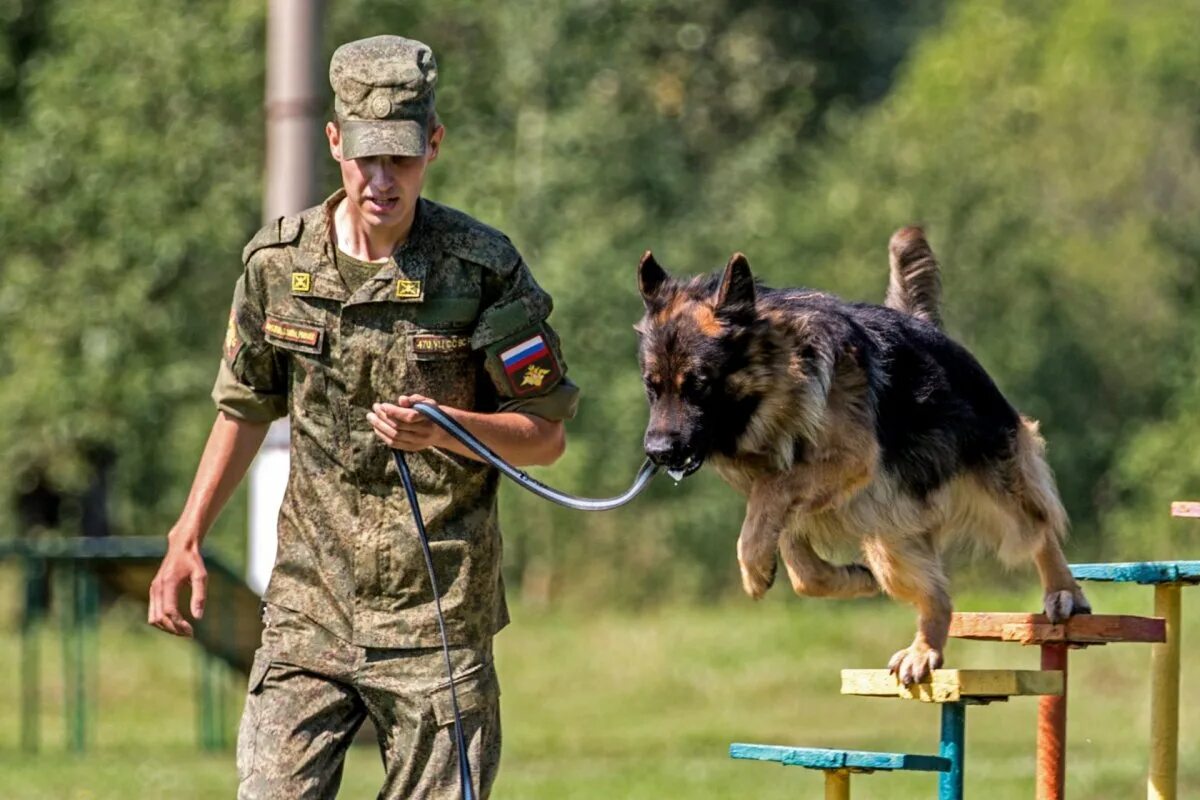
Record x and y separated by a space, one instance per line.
664 448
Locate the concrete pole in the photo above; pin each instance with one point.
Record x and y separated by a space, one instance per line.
295 103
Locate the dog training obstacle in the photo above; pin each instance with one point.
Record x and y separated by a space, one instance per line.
838 765
954 690
1054 641
1168 578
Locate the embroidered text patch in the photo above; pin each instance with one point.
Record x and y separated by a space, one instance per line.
430 345
297 335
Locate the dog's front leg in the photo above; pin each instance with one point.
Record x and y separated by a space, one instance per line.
766 510
909 569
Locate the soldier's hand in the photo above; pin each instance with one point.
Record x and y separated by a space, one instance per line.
403 428
182 564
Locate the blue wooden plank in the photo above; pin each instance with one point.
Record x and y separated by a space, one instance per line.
1140 572
818 758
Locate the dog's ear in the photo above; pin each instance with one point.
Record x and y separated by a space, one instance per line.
651 277
737 284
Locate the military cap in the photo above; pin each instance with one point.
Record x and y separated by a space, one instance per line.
383 91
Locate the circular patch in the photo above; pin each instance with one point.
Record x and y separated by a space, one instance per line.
381 106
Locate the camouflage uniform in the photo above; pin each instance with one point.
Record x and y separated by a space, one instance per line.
350 627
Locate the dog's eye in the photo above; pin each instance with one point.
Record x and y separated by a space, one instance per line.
696 383
652 386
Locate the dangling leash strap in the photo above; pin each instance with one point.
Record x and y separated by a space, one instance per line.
477 447
464 766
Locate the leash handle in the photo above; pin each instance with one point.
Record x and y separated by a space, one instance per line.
464 765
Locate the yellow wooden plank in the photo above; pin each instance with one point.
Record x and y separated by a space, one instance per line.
951 685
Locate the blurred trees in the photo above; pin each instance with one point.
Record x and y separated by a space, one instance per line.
1050 150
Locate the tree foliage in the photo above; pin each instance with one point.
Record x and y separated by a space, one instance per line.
1049 149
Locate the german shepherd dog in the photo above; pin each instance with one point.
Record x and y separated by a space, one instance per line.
849 423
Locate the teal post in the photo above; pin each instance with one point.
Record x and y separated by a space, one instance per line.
70 589
35 607
954 723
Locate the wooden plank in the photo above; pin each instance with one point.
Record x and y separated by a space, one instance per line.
953 685
820 758
1184 508
1030 629
1140 572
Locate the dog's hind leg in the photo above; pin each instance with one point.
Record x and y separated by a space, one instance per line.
909 569
1063 597
813 576
1041 510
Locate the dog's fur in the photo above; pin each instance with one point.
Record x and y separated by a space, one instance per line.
849 422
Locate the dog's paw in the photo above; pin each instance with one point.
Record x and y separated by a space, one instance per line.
756 579
1082 606
1063 604
914 664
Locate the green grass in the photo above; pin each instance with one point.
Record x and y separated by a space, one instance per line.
638 705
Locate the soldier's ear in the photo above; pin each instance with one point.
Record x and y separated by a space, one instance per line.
651 278
737 284
334 134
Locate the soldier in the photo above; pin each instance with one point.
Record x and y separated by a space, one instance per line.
345 316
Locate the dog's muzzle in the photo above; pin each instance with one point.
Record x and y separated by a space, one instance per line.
677 463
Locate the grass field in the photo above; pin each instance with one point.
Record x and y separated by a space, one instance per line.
639 705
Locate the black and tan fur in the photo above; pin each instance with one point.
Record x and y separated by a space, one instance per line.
849 423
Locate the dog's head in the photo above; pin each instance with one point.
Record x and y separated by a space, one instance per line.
696 338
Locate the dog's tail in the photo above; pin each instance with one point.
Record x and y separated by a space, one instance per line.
915 285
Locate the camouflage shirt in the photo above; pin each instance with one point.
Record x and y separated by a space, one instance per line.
455 315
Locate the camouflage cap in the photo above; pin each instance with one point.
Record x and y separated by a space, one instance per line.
383 90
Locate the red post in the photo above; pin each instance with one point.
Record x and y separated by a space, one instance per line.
1052 729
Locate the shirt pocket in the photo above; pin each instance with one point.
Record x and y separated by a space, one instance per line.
441 365
306 342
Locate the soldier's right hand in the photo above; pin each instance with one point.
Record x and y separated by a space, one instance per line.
182 564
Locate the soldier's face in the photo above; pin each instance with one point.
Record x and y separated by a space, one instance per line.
384 189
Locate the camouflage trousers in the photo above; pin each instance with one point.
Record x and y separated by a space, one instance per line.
310 691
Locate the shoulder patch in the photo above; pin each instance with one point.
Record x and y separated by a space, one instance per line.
283 230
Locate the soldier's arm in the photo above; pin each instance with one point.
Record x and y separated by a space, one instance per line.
250 391
231 448
519 438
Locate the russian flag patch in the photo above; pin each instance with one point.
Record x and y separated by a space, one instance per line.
530 365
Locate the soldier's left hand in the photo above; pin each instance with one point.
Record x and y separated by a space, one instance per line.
401 427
